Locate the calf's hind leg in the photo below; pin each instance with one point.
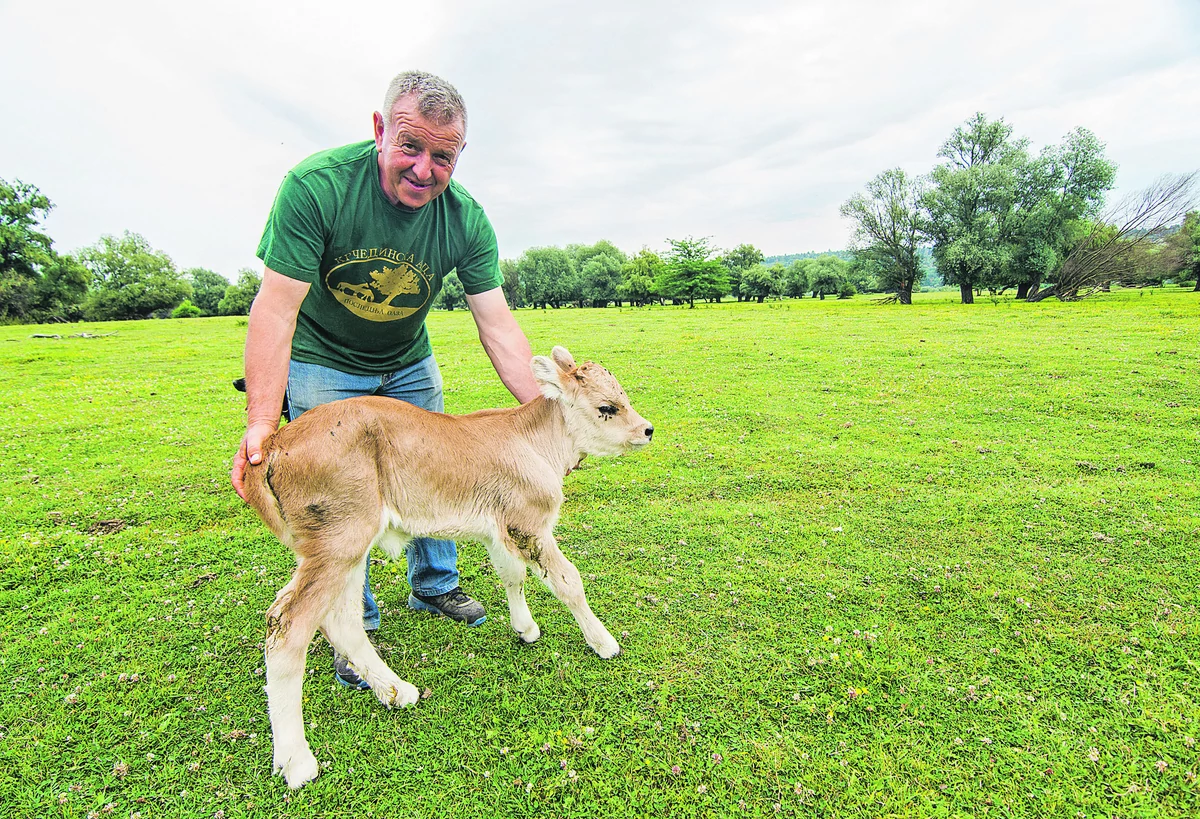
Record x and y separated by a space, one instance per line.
343 628
291 622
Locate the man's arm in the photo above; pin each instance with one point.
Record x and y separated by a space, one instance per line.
504 343
268 351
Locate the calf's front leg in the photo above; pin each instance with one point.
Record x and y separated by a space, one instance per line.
511 568
562 578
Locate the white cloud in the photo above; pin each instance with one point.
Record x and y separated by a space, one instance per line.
628 121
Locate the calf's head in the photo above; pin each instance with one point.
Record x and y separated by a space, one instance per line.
597 411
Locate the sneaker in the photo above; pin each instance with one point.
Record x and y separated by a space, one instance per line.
345 675
454 604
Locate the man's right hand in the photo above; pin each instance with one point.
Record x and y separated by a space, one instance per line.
250 452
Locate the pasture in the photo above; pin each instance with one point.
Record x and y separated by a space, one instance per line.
878 561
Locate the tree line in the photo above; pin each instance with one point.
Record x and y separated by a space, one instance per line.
118 277
998 217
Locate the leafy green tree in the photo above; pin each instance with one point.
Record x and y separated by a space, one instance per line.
1065 184
692 273
130 279
238 297
453 296
795 280
547 275
971 204
208 288
601 277
846 290
888 226
61 290
761 281
24 250
186 310
512 283
826 275
1184 249
638 276
737 261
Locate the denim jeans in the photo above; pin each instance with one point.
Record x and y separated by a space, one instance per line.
432 564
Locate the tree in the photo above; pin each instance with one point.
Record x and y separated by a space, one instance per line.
970 204
24 250
638 276
761 281
1184 249
601 277
1065 184
512 283
61 290
453 295
692 273
737 262
796 279
238 297
130 279
1114 245
889 223
826 275
546 274
208 288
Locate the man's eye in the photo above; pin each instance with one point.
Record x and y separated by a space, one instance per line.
608 410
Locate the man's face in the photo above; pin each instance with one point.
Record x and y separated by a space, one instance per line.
416 156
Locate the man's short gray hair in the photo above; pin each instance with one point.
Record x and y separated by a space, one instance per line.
437 100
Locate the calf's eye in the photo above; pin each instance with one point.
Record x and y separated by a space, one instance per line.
608 410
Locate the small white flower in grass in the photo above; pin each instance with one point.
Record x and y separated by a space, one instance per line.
717 758
150 757
120 769
546 746
562 763
504 750
572 775
701 789
43 631
71 699
986 740
1190 742
1161 765
1094 754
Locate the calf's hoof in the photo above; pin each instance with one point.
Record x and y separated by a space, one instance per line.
297 769
531 634
398 694
607 649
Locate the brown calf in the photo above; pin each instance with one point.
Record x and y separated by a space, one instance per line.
377 471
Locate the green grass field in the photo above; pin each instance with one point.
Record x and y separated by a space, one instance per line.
879 561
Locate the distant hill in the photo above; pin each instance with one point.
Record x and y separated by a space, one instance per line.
812 254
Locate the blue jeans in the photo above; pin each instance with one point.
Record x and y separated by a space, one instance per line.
432 564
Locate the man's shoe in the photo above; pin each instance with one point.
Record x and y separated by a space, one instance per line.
345 675
454 604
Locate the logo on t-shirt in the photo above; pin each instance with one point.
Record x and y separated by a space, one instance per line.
379 284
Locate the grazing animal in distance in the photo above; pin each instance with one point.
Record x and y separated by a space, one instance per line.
374 471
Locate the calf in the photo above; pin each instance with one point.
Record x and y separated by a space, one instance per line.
377 471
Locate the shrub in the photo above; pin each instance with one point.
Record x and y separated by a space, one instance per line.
186 310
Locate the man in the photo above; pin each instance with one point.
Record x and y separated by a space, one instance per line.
356 247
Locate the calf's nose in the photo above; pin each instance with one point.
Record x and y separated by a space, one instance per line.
649 432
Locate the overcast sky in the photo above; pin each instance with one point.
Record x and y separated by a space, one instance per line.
633 122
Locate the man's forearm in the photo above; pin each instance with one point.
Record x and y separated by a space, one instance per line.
268 352
510 354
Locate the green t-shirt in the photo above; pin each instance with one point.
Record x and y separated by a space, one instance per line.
374 267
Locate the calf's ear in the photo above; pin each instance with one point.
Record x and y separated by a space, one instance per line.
546 373
563 359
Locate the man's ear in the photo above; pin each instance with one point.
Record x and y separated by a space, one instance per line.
546 373
377 125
